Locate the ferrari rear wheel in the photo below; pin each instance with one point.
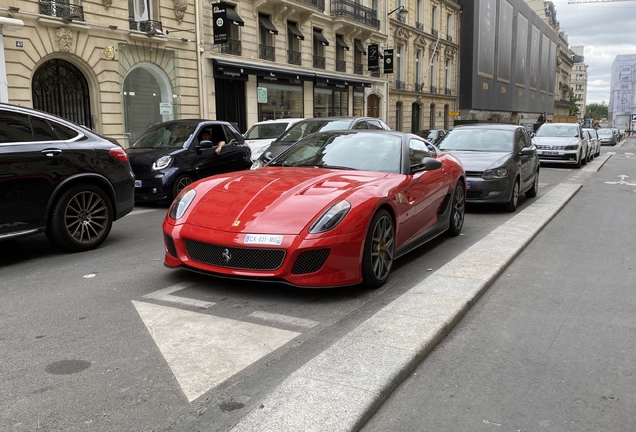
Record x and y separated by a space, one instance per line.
379 247
458 210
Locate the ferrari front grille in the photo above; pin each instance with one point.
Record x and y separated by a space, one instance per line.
310 261
235 257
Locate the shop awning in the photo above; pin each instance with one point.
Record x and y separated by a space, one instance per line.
341 42
336 81
359 47
321 38
293 28
233 17
273 74
265 22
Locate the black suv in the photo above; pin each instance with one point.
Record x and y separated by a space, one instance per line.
60 178
171 155
310 126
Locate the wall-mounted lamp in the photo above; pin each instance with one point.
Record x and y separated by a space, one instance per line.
178 30
402 11
154 32
13 10
112 27
185 40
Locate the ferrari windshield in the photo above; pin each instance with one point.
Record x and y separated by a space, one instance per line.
265 131
166 135
554 130
305 128
478 139
365 151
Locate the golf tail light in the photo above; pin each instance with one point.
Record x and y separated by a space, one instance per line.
331 217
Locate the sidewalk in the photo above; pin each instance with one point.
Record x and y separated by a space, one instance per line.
341 389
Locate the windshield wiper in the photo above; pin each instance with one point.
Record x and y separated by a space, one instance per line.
335 167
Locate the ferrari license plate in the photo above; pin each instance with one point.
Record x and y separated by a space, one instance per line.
137 183
269 239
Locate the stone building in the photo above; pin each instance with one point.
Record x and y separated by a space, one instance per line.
578 79
114 67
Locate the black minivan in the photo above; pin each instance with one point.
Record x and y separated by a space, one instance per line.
60 178
171 155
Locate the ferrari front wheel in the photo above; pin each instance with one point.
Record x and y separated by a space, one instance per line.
458 210
379 247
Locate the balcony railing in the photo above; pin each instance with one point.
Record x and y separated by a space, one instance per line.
232 47
400 85
434 32
266 52
293 57
358 68
433 89
61 9
319 62
355 11
319 4
449 38
341 65
145 26
448 92
419 26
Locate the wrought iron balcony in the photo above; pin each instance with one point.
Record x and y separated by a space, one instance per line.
400 85
232 47
341 65
61 9
358 68
294 57
419 26
266 52
319 4
319 62
355 11
448 91
433 89
145 26
434 32
449 38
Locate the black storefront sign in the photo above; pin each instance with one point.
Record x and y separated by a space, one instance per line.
388 61
372 60
220 22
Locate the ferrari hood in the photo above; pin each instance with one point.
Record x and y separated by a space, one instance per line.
273 200
480 161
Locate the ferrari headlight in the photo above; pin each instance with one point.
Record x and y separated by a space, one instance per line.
162 162
181 204
497 173
331 217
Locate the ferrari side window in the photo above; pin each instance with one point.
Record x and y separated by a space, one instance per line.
417 151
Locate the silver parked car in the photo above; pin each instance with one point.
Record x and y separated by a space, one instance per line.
593 143
561 143
607 137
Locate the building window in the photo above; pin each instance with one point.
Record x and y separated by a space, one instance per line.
433 74
294 38
399 64
331 102
434 21
358 101
447 78
419 15
283 100
418 70
449 27
319 49
267 31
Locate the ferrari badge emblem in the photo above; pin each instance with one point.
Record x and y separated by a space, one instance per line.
226 255
236 223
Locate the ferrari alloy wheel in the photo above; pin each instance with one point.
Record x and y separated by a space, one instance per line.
81 219
378 250
458 211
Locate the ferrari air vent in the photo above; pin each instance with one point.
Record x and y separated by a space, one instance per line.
235 257
172 250
310 261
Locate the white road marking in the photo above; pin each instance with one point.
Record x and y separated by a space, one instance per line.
166 295
136 212
204 350
284 319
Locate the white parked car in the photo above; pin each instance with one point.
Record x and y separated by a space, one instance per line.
261 134
561 143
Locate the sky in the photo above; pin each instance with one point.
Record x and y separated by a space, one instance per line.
605 30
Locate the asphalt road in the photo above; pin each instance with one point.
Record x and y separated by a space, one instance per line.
91 342
550 346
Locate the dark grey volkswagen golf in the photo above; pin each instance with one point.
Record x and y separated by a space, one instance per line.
500 162
60 178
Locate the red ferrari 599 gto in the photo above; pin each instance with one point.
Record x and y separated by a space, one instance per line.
336 208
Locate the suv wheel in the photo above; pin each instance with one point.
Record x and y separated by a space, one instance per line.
81 218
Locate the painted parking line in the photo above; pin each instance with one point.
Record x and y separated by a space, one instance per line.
166 295
284 319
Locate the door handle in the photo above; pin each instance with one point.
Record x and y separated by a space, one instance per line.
52 152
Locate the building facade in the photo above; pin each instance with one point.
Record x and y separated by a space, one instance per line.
578 80
114 67
621 91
